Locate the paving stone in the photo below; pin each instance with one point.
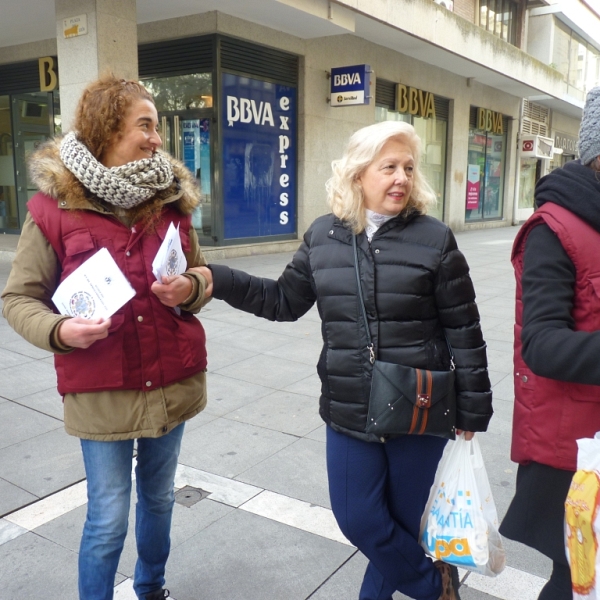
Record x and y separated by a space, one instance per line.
25 423
505 388
305 351
309 386
249 339
319 434
215 328
281 411
198 421
228 448
298 471
26 349
13 497
43 464
9 358
270 371
66 530
33 567
226 394
305 328
7 333
261 560
222 355
48 402
9 531
25 379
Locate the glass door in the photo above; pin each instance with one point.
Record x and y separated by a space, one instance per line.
528 176
485 176
186 135
9 217
32 120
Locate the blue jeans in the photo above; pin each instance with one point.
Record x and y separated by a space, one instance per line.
378 493
108 472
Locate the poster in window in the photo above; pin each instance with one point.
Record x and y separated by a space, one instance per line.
473 187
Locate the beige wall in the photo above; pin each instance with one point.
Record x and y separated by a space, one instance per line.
30 51
565 124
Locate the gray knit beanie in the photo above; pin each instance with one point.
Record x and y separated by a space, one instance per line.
589 132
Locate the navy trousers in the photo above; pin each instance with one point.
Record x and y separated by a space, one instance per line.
378 493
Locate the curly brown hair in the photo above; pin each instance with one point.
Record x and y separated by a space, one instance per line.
102 108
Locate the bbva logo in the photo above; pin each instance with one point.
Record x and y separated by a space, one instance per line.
248 111
346 79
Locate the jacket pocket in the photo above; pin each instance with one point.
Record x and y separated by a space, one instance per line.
191 339
78 241
78 246
99 367
579 418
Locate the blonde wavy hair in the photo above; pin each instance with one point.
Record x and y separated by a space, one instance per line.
344 193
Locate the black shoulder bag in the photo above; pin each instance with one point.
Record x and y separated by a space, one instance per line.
405 400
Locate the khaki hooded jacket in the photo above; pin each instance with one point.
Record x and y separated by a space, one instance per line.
107 415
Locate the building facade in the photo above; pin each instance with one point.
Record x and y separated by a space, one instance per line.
243 92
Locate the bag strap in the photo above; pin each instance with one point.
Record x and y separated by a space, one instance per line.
364 312
362 302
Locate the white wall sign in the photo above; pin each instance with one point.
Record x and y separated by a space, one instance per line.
74 26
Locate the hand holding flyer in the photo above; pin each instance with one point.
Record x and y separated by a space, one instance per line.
170 259
96 289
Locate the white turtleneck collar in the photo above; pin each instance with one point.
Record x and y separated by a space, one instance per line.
375 221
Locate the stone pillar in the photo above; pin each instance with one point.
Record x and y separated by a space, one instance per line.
110 44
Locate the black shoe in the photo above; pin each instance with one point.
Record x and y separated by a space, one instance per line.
157 595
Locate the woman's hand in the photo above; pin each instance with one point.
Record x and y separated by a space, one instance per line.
82 333
174 290
468 434
207 274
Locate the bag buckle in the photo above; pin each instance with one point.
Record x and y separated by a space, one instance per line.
423 400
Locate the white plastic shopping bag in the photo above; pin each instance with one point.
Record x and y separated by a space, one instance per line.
460 522
582 521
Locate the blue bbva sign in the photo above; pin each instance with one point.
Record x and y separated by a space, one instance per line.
350 85
258 124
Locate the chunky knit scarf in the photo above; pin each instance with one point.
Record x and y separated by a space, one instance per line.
125 186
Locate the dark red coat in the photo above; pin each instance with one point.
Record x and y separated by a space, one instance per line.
149 345
549 414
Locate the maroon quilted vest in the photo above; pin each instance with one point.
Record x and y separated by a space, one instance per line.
149 345
550 415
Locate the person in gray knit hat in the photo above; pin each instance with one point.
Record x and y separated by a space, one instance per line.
589 131
557 343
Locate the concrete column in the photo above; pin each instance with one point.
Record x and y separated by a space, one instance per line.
110 44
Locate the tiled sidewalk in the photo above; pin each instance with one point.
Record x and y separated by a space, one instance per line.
265 531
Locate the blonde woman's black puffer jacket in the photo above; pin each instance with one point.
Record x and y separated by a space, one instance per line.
416 288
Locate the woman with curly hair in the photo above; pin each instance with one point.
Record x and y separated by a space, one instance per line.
417 294
140 374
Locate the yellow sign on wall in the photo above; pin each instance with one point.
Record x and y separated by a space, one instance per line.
48 74
414 101
489 120
74 26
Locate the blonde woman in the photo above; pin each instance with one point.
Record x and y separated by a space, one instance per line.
417 293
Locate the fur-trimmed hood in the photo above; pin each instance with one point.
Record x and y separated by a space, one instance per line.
51 177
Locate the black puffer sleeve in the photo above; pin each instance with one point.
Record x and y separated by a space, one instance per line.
286 299
458 313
